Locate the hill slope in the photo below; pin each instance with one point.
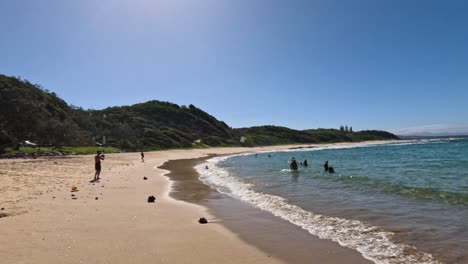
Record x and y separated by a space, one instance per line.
27 112
274 135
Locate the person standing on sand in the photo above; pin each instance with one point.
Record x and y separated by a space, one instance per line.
142 157
97 164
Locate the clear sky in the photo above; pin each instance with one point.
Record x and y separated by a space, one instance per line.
395 65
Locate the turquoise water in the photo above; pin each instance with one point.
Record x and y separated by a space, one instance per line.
404 202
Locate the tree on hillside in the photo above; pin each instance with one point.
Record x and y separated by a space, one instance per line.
351 129
6 140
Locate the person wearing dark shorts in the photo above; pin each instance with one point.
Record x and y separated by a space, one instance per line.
97 164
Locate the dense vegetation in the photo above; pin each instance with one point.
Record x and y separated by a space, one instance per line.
274 135
28 112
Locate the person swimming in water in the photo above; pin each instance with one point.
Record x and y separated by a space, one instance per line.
327 168
305 163
293 164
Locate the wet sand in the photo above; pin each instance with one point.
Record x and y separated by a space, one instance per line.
273 235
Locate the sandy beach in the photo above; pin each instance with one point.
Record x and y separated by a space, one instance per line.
110 221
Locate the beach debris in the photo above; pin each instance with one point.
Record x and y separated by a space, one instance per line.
144 178
151 199
73 195
202 220
74 188
97 198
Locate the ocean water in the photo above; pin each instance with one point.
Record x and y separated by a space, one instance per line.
404 202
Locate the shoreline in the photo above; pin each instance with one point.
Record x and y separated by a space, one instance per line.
111 221
261 229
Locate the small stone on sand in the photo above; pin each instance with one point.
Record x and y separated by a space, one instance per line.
151 199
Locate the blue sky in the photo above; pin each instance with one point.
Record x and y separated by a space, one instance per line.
395 65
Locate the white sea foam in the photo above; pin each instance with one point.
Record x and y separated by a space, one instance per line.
372 242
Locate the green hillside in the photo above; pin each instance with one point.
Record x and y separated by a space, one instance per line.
274 135
28 112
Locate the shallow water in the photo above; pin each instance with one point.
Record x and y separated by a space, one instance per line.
394 203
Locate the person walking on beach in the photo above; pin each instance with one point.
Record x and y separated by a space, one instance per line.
325 166
142 157
97 164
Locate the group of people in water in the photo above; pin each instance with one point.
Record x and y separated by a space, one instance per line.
293 165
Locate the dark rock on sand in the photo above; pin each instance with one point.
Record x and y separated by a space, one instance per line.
151 199
144 178
203 220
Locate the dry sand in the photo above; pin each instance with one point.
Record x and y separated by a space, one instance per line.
42 221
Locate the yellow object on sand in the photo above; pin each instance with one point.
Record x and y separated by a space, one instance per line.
74 188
